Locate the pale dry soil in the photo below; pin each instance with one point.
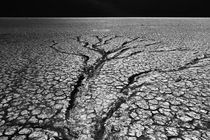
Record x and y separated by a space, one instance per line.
106 86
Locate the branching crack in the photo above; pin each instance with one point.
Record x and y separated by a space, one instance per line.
100 125
188 65
89 71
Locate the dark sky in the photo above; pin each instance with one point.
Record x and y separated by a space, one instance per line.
104 8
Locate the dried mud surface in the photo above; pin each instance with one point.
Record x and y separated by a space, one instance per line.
85 81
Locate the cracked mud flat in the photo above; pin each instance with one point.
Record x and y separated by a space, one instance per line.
105 79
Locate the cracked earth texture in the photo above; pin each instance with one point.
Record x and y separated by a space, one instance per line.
144 83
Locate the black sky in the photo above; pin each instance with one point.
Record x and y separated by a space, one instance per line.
104 8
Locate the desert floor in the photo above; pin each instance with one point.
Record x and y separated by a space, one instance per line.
105 79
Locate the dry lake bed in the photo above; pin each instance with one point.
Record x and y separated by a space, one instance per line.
104 79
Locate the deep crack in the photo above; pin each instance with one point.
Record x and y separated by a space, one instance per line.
73 95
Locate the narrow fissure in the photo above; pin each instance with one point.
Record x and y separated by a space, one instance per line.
132 78
100 128
73 95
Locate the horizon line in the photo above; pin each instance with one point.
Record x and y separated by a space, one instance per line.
104 17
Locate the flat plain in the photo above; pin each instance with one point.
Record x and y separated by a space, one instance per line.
105 79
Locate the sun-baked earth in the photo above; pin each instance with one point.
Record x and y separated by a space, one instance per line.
105 79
